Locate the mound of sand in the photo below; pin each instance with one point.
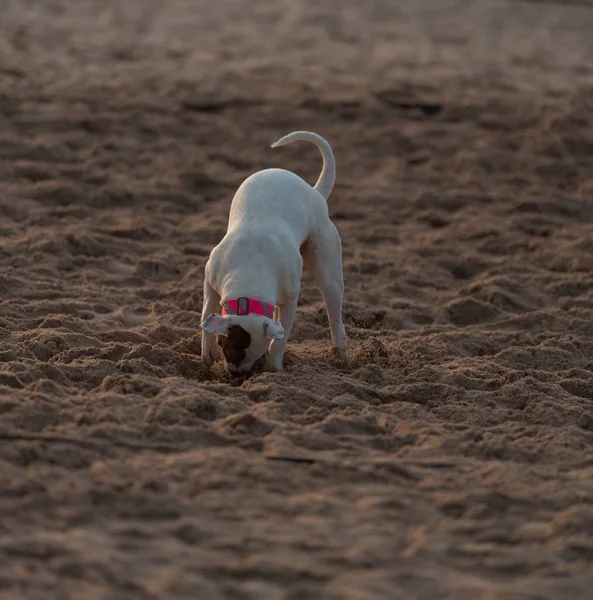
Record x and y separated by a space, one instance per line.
453 458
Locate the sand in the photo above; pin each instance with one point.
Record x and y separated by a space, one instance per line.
453 458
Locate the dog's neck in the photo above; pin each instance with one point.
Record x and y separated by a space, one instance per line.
248 306
263 287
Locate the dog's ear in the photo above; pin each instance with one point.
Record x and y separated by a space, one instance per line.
216 324
273 330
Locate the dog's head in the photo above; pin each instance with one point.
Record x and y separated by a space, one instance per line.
244 339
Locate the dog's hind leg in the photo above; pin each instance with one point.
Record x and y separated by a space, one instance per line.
322 255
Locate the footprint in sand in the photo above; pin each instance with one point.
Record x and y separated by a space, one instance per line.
122 274
116 267
129 317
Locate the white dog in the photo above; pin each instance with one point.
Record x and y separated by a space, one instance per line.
277 224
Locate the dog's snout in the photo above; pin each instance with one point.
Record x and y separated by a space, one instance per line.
239 372
234 371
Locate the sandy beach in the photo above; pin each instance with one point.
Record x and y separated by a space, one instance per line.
453 458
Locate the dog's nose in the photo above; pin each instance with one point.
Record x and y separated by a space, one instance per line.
234 372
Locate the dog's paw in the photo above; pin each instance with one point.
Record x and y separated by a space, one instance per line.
211 353
340 356
272 363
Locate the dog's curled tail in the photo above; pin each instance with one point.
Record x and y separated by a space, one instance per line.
327 178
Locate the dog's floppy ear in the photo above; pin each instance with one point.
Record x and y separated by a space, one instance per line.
216 324
273 330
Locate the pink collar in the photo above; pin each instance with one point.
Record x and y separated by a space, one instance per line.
246 306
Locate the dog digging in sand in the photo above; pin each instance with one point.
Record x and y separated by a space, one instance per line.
278 223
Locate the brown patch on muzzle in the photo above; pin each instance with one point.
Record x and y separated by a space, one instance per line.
234 344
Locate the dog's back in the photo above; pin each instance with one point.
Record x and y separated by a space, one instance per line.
280 201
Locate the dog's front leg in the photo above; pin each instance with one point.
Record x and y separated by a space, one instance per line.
275 356
211 351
